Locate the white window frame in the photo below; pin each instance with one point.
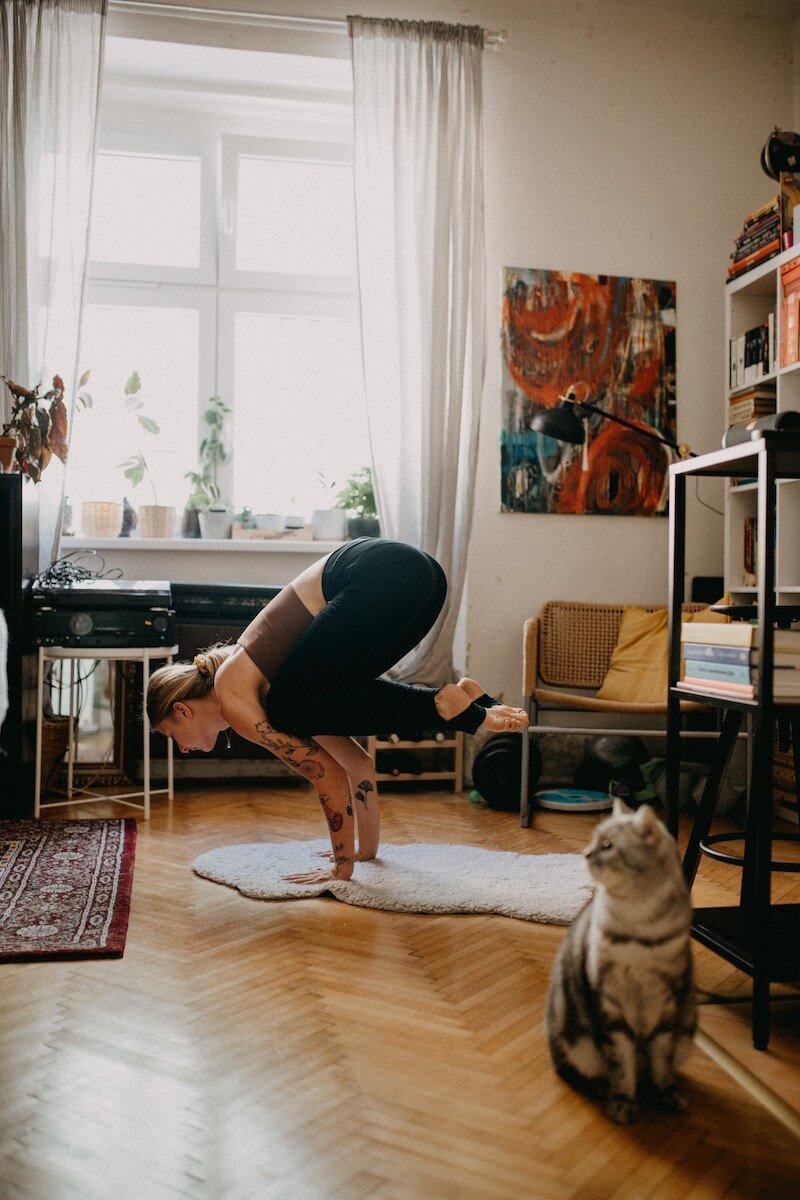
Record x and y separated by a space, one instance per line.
282 303
154 295
169 144
286 149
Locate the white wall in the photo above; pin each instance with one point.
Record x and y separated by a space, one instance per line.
623 137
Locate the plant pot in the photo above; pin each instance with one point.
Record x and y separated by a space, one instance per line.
8 446
216 523
156 521
363 527
190 523
270 521
329 524
101 518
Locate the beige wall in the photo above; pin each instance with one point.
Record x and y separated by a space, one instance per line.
622 136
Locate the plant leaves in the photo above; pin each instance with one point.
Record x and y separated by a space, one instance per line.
86 400
58 383
58 440
149 424
132 403
84 379
133 385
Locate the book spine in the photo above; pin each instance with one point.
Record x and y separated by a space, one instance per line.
729 672
735 633
771 206
758 256
706 652
739 691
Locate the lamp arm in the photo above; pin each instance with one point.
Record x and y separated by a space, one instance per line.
656 437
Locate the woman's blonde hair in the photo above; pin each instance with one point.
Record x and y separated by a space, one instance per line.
183 681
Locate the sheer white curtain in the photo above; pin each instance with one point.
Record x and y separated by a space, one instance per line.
50 67
421 269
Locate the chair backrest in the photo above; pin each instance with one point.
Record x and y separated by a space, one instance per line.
577 639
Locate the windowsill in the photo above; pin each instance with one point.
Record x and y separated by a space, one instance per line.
200 545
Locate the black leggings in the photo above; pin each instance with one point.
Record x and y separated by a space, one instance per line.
382 598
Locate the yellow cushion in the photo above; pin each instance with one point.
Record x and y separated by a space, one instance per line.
707 615
637 673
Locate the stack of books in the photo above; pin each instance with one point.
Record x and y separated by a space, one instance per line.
759 240
723 660
756 402
790 312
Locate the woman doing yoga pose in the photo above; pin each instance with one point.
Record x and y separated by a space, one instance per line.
303 681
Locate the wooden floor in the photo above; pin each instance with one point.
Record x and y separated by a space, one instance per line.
250 1050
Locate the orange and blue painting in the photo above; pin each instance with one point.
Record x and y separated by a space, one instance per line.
614 338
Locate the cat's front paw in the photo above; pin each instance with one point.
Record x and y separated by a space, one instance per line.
671 1099
622 1110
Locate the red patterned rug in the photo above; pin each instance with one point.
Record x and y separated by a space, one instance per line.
65 888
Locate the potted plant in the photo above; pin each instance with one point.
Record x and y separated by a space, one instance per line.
155 520
357 496
328 524
37 426
204 512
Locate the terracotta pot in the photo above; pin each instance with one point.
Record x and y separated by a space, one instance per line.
7 447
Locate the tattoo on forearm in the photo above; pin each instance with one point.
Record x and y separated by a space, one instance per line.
362 790
334 819
292 751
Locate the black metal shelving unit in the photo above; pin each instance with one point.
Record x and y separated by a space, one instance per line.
758 937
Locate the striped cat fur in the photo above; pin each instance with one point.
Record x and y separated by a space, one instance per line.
621 1007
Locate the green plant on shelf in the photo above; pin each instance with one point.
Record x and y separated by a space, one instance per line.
357 495
136 466
211 454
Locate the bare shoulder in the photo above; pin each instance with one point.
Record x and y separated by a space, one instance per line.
238 678
308 586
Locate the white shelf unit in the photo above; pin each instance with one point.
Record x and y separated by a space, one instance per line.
748 302
451 751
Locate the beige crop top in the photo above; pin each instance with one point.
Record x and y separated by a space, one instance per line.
270 636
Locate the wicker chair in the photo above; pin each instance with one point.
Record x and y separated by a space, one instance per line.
567 647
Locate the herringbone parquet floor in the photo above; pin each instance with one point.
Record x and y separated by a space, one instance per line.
304 1050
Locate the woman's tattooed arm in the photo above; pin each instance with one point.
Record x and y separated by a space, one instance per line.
314 763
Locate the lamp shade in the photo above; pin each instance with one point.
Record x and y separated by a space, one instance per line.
561 423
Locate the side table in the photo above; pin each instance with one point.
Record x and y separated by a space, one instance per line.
141 654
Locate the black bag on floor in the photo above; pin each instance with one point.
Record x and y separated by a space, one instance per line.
496 771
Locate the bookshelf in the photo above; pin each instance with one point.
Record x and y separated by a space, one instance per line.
752 300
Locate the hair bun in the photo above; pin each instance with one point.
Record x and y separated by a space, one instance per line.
202 664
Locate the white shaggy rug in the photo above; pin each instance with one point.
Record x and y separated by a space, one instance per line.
423 878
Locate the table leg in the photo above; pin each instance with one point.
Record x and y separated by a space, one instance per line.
37 793
71 727
146 734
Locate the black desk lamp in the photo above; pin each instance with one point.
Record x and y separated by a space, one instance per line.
566 423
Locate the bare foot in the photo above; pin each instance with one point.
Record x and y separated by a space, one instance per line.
501 718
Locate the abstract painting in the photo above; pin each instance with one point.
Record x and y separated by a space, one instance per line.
613 337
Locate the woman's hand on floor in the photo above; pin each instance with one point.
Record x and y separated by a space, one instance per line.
318 876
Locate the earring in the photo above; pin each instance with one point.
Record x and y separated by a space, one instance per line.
228 738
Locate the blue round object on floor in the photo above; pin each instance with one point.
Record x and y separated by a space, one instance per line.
574 800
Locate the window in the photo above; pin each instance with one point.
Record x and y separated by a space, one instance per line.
222 262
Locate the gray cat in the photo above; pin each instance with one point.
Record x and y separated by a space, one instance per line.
621 1002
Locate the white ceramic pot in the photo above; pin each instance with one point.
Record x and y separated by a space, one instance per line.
216 523
156 520
270 521
329 524
101 518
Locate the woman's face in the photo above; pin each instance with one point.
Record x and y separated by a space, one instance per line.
194 725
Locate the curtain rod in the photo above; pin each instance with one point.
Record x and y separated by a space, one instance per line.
492 38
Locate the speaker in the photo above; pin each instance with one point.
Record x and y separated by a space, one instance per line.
496 771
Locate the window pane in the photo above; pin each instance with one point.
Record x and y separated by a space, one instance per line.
162 344
298 410
146 209
295 217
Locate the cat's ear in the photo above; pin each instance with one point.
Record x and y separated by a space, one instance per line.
620 808
646 823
